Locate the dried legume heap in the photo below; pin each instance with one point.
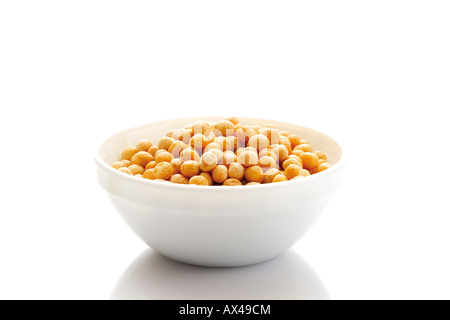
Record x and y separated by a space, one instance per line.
223 153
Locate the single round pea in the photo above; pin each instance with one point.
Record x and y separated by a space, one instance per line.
236 171
165 143
220 174
179 178
144 145
190 168
253 183
189 154
164 156
199 180
254 174
309 160
128 153
279 178
136 169
208 161
259 142
248 158
163 170
292 171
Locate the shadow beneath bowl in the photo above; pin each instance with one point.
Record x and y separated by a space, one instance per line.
152 276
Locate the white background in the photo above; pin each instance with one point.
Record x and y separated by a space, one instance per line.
375 75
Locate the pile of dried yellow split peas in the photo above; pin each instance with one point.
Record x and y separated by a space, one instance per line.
223 153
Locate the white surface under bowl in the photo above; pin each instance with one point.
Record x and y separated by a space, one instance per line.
218 226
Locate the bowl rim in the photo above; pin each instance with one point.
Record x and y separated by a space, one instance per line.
166 184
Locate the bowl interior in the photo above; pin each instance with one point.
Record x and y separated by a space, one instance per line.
112 148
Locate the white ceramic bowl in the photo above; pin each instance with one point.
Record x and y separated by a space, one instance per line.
218 226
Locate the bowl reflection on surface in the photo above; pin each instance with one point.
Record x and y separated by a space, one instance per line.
152 276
